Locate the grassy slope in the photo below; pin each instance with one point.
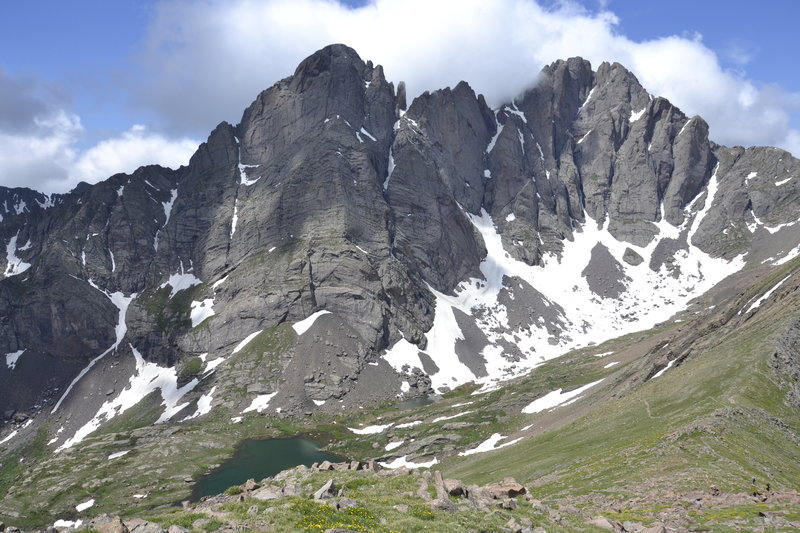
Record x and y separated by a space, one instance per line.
677 432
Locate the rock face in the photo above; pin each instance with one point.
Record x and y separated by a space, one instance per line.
469 242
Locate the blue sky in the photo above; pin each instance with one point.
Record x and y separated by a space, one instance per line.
90 87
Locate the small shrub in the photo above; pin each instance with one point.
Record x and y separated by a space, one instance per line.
234 490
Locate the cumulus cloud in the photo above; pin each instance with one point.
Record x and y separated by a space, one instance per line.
207 61
40 156
136 147
39 142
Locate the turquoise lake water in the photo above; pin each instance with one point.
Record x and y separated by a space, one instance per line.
258 459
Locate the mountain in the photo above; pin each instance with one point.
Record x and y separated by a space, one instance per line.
338 249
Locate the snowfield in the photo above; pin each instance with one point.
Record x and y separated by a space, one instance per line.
581 316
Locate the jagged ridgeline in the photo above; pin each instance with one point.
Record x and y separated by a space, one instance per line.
338 248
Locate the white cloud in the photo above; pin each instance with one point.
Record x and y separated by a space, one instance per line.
129 151
208 60
205 62
39 158
48 158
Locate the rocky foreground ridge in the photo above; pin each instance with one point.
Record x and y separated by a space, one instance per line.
360 497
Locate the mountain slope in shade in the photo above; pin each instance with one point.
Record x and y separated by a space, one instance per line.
448 243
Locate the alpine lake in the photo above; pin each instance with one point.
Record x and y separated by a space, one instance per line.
257 459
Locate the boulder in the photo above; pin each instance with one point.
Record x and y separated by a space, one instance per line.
326 491
605 523
508 488
443 504
267 493
137 525
656 528
509 504
454 487
115 525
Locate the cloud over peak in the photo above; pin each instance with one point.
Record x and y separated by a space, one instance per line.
206 61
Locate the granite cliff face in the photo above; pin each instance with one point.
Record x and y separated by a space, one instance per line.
410 250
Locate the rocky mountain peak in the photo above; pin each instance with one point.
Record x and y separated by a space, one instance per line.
428 248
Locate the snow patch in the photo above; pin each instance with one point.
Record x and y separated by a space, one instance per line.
711 192
260 402
167 212
783 182
669 365
304 325
493 140
389 169
245 341
368 134
12 358
489 445
766 295
243 179
121 302
117 455
403 462
409 424
609 365
514 110
556 398
443 418
403 353
14 265
9 437
511 217
180 281
202 310
394 445
68 523
636 115
203 404
371 430
212 365
147 378
684 127
794 252
235 218
85 505
588 97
